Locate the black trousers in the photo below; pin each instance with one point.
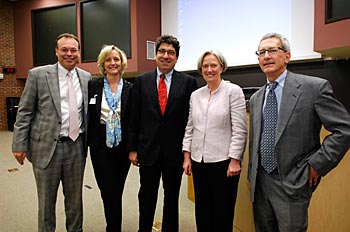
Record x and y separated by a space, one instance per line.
111 167
148 194
215 196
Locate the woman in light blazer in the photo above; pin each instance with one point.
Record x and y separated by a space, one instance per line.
214 143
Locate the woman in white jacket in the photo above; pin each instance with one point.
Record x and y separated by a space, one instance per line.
213 145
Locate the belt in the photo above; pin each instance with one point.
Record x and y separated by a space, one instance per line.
64 139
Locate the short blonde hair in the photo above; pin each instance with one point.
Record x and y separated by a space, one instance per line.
104 53
219 56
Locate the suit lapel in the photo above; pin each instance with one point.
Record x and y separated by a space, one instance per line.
151 83
124 97
84 89
257 117
290 97
98 88
174 87
54 87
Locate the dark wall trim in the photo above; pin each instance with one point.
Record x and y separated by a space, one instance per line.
337 72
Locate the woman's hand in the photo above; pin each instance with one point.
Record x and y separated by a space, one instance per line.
187 164
234 168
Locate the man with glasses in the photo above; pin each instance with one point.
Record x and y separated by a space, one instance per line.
286 158
50 131
159 113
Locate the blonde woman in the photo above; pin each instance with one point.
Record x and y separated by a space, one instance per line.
108 110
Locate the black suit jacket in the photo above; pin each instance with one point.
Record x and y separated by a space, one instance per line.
150 132
97 131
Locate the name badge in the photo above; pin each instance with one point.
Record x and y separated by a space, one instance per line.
92 101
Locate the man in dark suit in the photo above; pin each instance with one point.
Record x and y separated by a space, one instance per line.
50 131
284 173
156 131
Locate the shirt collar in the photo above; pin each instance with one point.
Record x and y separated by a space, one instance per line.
281 79
62 71
167 75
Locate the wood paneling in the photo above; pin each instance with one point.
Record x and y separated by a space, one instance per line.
329 207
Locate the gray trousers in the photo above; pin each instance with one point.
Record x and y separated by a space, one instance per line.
274 210
67 166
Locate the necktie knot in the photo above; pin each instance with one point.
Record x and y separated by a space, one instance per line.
69 75
272 85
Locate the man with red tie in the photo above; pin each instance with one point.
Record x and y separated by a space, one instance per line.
159 112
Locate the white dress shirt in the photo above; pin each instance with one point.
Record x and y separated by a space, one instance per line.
217 124
63 82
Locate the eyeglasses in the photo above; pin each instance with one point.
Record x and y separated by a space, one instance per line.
169 52
66 50
270 51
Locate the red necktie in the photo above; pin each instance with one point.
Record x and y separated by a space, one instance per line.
162 93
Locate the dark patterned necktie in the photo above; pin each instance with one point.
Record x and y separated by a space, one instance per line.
267 142
162 94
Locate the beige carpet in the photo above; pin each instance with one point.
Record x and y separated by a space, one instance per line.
18 199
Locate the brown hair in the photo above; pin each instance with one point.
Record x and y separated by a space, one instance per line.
67 35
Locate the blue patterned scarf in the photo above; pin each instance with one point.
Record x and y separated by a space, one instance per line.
113 125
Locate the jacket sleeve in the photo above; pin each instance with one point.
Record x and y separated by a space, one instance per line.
25 114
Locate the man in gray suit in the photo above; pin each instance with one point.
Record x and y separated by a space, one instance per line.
286 158
45 133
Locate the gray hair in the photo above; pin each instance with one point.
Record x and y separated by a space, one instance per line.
219 56
284 41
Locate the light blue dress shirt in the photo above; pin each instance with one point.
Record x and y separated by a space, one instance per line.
167 79
278 90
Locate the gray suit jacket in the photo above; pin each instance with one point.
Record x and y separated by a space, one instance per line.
307 103
38 121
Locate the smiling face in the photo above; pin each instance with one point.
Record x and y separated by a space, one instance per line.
273 65
67 52
166 58
211 70
113 63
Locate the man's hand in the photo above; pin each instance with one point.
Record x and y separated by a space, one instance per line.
313 176
20 157
133 158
